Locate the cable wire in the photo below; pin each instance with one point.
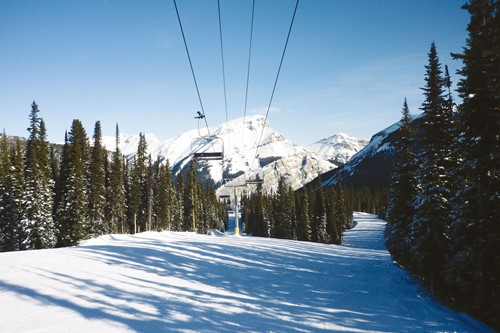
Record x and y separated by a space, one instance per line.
249 58
275 82
222 56
191 65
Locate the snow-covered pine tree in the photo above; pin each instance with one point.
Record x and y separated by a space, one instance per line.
475 265
402 193
17 185
97 186
430 227
179 212
37 203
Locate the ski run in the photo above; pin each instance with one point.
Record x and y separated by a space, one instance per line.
186 282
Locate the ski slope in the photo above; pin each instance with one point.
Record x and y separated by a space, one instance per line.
185 282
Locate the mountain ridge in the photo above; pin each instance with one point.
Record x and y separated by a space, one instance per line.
252 149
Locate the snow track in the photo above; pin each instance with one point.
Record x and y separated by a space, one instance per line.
184 282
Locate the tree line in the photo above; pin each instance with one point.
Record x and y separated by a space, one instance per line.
319 214
445 199
52 201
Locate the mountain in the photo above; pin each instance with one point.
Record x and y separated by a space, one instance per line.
275 157
373 165
338 148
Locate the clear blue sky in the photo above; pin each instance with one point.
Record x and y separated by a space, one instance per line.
348 66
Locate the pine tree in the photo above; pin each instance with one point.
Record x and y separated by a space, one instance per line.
282 213
321 235
179 211
476 229
430 228
303 216
9 205
116 190
72 211
37 203
291 211
190 200
402 194
342 214
139 187
97 186
332 220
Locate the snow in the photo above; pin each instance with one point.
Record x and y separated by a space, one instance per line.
186 282
277 156
338 148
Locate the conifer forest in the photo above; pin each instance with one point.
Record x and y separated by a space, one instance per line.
445 197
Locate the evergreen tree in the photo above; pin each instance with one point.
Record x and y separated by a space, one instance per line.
321 235
303 216
282 213
139 187
179 212
164 197
37 203
97 186
190 200
430 228
9 200
72 212
332 223
292 213
476 230
402 194
343 216
116 200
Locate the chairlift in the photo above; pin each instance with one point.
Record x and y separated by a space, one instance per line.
258 180
254 181
208 148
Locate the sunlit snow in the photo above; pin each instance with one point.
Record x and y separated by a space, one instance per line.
185 282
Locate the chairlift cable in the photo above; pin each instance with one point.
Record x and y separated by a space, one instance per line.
275 82
191 65
249 57
222 57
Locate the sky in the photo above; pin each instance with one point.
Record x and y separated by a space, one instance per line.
347 68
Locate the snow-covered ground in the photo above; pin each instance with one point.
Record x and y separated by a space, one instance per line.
184 282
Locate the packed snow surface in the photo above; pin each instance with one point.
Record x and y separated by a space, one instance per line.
185 282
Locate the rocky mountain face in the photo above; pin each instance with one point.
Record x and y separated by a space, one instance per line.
251 150
373 165
338 148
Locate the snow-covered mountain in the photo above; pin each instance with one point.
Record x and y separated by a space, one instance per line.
338 148
276 157
373 165
129 143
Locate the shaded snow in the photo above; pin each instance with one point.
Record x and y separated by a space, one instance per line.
185 282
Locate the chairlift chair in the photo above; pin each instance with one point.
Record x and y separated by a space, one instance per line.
209 148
